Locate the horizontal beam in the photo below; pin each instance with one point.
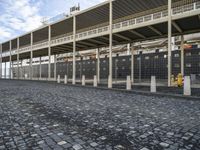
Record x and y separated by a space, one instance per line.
155 30
137 33
123 37
177 27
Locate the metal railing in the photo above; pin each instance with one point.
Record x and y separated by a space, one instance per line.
120 25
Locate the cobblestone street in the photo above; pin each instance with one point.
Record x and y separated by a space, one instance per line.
36 115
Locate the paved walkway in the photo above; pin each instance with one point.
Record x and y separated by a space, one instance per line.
36 115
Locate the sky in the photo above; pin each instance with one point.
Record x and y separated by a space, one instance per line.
20 16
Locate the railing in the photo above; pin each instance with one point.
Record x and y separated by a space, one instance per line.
121 25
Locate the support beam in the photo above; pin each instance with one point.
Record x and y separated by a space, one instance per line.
10 59
98 42
169 41
40 68
137 33
155 30
0 60
98 65
55 69
49 55
177 27
31 58
123 37
87 44
107 39
110 44
17 58
74 51
182 55
132 65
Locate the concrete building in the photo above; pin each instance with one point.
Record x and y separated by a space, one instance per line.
111 23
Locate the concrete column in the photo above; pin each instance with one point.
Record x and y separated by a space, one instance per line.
49 55
128 83
22 69
83 80
10 59
169 41
58 80
17 58
98 66
74 51
40 71
182 55
187 86
65 81
0 60
55 62
31 58
153 84
132 65
95 81
110 45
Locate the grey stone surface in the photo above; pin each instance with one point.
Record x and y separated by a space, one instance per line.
39 115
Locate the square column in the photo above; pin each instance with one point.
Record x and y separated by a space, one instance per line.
98 65
31 58
182 55
17 58
40 69
74 51
169 41
0 60
55 69
10 59
110 45
132 65
5 71
49 54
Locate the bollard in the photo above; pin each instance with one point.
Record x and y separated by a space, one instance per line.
83 80
128 83
187 86
58 80
109 82
153 84
65 81
95 81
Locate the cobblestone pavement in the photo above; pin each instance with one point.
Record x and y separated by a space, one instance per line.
36 115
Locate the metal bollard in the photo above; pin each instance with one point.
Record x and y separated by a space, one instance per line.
58 80
128 83
187 86
95 81
83 80
65 81
153 84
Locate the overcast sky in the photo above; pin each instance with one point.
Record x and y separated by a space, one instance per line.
20 16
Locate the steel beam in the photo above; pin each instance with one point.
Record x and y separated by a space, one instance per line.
122 37
155 30
110 44
137 33
169 41
74 51
49 54
182 55
177 27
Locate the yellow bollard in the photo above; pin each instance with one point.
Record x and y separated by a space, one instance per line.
180 80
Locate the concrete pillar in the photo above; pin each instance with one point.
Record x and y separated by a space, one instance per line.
58 80
132 65
40 69
153 84
95 81
187 86
110 45
0 60
169 41
31 58
22 69
65 81
55 62
98 66
10 59
49 55
128 83
74 51
182 55
17 58
83 80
